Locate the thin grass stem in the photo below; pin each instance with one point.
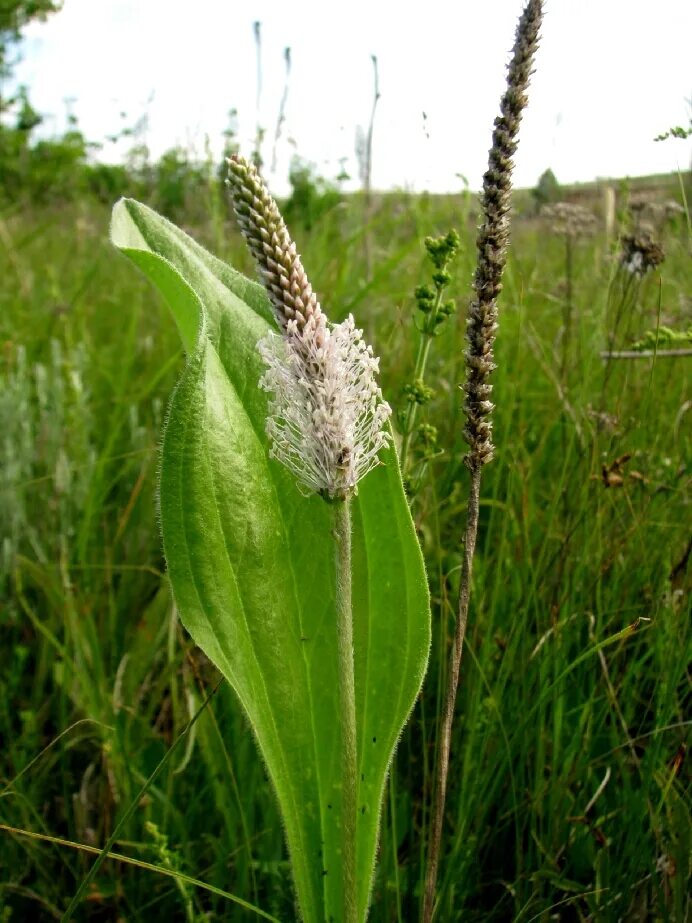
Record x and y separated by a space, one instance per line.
180 877
445 735
132 807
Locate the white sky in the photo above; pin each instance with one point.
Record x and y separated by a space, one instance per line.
610 76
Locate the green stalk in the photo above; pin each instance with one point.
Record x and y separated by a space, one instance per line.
418 374
347 707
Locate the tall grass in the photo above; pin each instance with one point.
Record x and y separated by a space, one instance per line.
567 795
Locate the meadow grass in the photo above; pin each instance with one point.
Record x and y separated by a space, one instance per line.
567 794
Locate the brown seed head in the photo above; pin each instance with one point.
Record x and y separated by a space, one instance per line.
493 238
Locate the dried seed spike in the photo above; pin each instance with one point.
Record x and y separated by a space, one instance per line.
493 239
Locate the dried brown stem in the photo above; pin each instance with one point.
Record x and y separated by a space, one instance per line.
445 734
493 238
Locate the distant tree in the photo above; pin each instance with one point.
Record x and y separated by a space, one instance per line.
311 197
26 118
38 169
176 181
14 15
547 189
14 142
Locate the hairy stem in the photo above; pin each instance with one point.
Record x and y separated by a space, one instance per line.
347 707
445 737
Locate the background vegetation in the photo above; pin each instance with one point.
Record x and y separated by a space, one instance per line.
569 794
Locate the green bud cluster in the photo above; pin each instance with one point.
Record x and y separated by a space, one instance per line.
441 251
418 392
664 338
449 307
434 311
427 434
425 298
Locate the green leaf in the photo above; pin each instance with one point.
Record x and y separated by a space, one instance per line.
251 563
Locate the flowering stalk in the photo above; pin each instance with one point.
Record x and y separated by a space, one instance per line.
325 424
572 221
326 414
441 251
493 238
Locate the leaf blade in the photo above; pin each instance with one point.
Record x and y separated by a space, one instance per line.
252 566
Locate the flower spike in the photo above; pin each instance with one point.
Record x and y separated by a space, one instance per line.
326 412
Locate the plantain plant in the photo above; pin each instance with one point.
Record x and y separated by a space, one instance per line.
290 547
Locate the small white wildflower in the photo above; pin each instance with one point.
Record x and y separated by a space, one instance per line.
635 264
326 414
640 253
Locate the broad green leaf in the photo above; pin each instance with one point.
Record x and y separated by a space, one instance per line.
251 563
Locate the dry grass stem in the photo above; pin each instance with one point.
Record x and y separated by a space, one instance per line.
492 242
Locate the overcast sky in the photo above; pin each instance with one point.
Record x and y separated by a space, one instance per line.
610 76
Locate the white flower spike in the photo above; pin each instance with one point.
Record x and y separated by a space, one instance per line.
326 415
